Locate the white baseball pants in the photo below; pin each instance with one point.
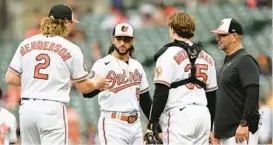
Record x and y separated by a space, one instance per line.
117 132
43 123
188 125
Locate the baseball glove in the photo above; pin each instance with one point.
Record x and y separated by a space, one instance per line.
152 139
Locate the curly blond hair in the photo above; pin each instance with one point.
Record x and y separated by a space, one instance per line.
53 27
183 24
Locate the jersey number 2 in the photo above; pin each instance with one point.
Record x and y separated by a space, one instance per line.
199 74
42 65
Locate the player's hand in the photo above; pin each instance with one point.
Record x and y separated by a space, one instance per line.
160 135
241 134
101 83
213 140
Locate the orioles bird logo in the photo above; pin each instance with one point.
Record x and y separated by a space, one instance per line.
124 28
158 71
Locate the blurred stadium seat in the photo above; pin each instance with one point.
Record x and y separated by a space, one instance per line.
208 18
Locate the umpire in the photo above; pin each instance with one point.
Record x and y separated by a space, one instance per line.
236 118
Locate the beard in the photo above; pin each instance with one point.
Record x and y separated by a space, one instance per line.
224 46
122 53
221 47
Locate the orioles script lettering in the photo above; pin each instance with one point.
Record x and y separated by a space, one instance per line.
121 81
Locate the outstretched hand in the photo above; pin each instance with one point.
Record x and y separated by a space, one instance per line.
101 83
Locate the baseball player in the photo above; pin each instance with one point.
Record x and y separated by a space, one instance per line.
185 83
8 126
43 65
119 121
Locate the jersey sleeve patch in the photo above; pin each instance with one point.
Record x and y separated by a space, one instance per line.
158 71
92 74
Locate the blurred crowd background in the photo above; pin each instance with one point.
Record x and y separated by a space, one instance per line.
21 18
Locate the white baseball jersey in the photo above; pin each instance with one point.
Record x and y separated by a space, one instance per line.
7 127
47 65
174 65
127 82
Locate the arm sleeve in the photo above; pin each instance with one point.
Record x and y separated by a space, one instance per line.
78 70
15 64
248 71
251 102
211 98
159 101
91 94
12 134
145 103
1 93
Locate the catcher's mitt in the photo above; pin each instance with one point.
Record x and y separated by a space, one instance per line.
152 139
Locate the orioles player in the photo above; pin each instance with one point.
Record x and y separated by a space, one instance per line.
8 126
43 65
119 122
185 76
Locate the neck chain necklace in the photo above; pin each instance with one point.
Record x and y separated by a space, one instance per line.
126 69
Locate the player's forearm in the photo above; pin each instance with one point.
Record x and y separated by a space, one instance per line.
85 86
145 103
159 101
13 79
211 98
251 101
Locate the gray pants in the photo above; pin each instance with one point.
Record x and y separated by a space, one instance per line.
43 123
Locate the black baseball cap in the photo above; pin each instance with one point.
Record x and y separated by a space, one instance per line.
228 26
62 12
